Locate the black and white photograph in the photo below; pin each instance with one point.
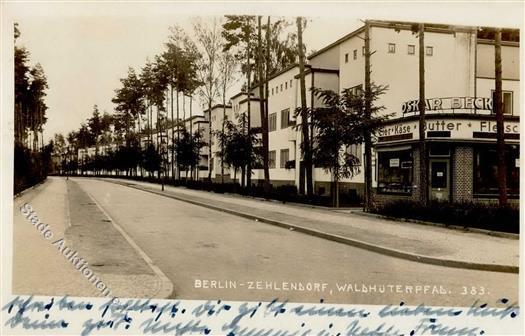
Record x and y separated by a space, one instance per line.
286 166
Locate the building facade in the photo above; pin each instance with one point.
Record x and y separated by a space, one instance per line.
460 123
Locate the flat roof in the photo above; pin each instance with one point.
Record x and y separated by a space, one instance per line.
401 25
218 106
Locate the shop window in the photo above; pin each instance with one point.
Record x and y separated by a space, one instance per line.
506 97
486 170
411 49
394 172
391 48
272 122
285 118
429 51
355 54
271 159
285 155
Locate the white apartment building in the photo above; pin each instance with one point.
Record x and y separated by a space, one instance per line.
460 127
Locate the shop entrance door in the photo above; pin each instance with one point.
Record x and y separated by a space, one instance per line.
439 179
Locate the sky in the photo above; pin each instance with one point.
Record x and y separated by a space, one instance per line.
86 47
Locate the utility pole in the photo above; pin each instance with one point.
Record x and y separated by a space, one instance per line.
423 156
498 109
368 113
307 153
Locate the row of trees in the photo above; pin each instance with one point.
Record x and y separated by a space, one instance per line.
206 66
122 153
31 158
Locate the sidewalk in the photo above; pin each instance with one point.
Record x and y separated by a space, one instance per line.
422 243
40 268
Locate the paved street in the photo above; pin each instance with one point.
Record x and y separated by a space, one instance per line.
199 247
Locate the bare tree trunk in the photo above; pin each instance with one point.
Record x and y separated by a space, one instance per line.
500 126
178 133
368 115
249 89
210 133
307 153
423 157
191 135
266 109
173 123
262 105
222 129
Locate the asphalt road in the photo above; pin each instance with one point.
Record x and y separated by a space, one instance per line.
212 255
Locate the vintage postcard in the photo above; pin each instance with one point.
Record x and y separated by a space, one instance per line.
261 168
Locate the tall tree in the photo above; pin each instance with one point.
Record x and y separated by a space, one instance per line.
146 80
345 120
227 66
209 41
500 126
239 33
306 148
367 115
262 98
265 140
37 106
172 61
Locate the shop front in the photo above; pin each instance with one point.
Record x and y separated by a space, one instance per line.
462 158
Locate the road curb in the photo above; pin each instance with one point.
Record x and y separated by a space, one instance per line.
338 238
166 286
30 188
507 235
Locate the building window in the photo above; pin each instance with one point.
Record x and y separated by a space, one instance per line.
281 87
277 89
290 83
272 91
364 51
411 49
394 172
286 85
356 90
506 99
356 151
486 170
391 48
429 51
285 118
272 122
271 159
346 58
355 54
285 155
